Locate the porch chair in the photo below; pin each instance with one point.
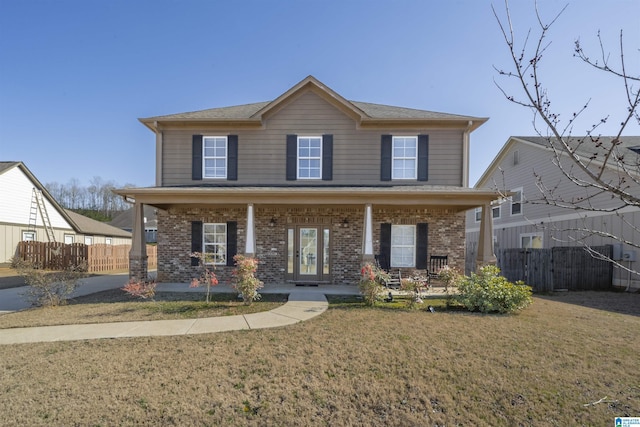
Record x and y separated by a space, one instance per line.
437 263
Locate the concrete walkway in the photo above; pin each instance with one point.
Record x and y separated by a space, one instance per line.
303 304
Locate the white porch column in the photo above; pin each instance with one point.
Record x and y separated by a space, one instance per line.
250 245
138 253
485 243
367 249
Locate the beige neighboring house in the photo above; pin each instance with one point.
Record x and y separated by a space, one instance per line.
311 184
23 203
524 221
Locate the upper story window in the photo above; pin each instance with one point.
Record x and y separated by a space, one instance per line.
214 156
495 213
516 201
405 157
309 157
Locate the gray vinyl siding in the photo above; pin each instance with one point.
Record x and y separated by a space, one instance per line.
356 152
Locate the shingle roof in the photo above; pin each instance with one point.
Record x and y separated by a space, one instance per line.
592 145
125 219
4 166
91 226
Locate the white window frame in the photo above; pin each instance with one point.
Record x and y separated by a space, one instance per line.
395 259
404 158
69 239
477 214
515 200
215 252
108 241
33 236
88 240
215 158
531 236
309 158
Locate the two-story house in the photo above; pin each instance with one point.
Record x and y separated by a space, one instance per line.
311 184
526 165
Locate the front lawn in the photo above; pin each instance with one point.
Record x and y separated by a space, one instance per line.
568 359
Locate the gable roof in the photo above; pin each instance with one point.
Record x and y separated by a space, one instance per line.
542 143
80 223
126 219
362 112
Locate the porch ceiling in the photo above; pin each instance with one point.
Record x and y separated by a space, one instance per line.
456 198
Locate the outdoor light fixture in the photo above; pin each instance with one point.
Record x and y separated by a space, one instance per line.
272 222
345 222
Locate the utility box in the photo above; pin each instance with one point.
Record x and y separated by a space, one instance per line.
629 255
617 252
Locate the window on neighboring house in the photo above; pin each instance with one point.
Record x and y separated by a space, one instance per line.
405 157
69 239
531 241
108 241
28 236
516 201
516 157
309 157
88 240
403 245
215 243
495 212
214 156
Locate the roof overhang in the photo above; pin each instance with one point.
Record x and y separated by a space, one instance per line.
454 198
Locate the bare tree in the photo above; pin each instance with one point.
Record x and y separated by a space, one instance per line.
604 170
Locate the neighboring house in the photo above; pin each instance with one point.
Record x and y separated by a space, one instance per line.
24 202
125 220
524 220
311 184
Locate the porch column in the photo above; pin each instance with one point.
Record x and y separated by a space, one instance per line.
485 254
138 267
367 247
250 245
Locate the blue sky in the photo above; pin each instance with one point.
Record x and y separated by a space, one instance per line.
75 75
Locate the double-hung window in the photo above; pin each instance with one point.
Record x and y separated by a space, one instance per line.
214 156
309 157
403 245
215 243
516 201
405 157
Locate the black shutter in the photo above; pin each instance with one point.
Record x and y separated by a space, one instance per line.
292 157
327 157
385 156
196 240
232 157
422 238
385 246
196 159
423 157
232 242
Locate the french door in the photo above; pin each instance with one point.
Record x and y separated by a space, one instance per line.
309 259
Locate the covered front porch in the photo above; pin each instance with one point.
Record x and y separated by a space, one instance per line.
304 235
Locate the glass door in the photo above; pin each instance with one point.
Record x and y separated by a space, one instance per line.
308 253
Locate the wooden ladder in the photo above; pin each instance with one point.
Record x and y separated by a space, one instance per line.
38 205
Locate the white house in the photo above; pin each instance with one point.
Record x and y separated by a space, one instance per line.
29 212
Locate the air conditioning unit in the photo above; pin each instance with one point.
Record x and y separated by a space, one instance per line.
629 255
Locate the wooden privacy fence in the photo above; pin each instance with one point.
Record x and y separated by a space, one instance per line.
571 268
98 258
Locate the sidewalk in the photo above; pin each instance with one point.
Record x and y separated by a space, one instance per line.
304 303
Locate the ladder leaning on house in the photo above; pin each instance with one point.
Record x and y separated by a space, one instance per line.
37 204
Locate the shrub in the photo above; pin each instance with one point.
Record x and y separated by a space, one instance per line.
207 275
145 289
47 288
412 287
245 280
371 283
488 292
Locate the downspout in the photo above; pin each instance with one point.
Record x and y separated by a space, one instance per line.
158 155
465 154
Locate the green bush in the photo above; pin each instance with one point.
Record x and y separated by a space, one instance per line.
371 284
489 292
